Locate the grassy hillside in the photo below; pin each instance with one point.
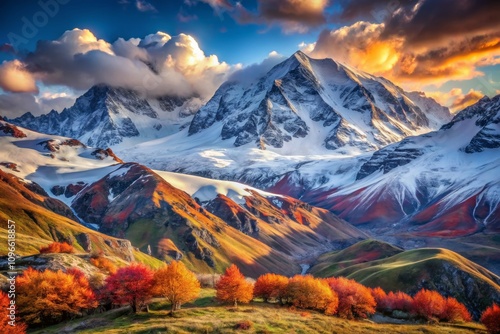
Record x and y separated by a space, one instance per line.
433 268
330 263
205 316
41 220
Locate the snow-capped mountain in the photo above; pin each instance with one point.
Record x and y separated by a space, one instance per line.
106 116
317 102
445 183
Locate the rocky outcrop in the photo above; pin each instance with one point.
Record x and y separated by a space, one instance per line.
233 214
389 158
11 130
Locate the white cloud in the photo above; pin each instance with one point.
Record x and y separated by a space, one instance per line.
157 64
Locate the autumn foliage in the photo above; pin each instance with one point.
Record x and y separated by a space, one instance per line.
355 300
176 283
103 263
130 285
20 328
491 319
313 293
397 301
51 296
271 286
454 311
233 288
428 304
57 247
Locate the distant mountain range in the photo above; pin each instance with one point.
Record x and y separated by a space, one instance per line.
105 116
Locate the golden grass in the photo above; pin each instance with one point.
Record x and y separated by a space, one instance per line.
204 316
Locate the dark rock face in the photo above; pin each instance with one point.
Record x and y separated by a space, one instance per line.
486 113
84 240
389 158
57 190
487 138
233 215
102 154
73 189
10 165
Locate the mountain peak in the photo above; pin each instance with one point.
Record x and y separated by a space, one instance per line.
302 96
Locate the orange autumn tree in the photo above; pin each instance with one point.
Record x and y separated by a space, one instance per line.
271 286
428 304
52 296
491 319
19 328
355 300
233 288
130 285
314 293
176 283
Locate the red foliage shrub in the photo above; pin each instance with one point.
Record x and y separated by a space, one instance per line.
491 319
355 300
379 295
130 285
57 247
398 301
454 311
428 304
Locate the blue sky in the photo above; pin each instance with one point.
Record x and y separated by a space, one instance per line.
448 49
109 19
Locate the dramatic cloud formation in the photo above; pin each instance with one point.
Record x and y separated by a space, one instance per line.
158 64
416 43
15 78
155 65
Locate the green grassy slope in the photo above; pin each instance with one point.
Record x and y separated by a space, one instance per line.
432 268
